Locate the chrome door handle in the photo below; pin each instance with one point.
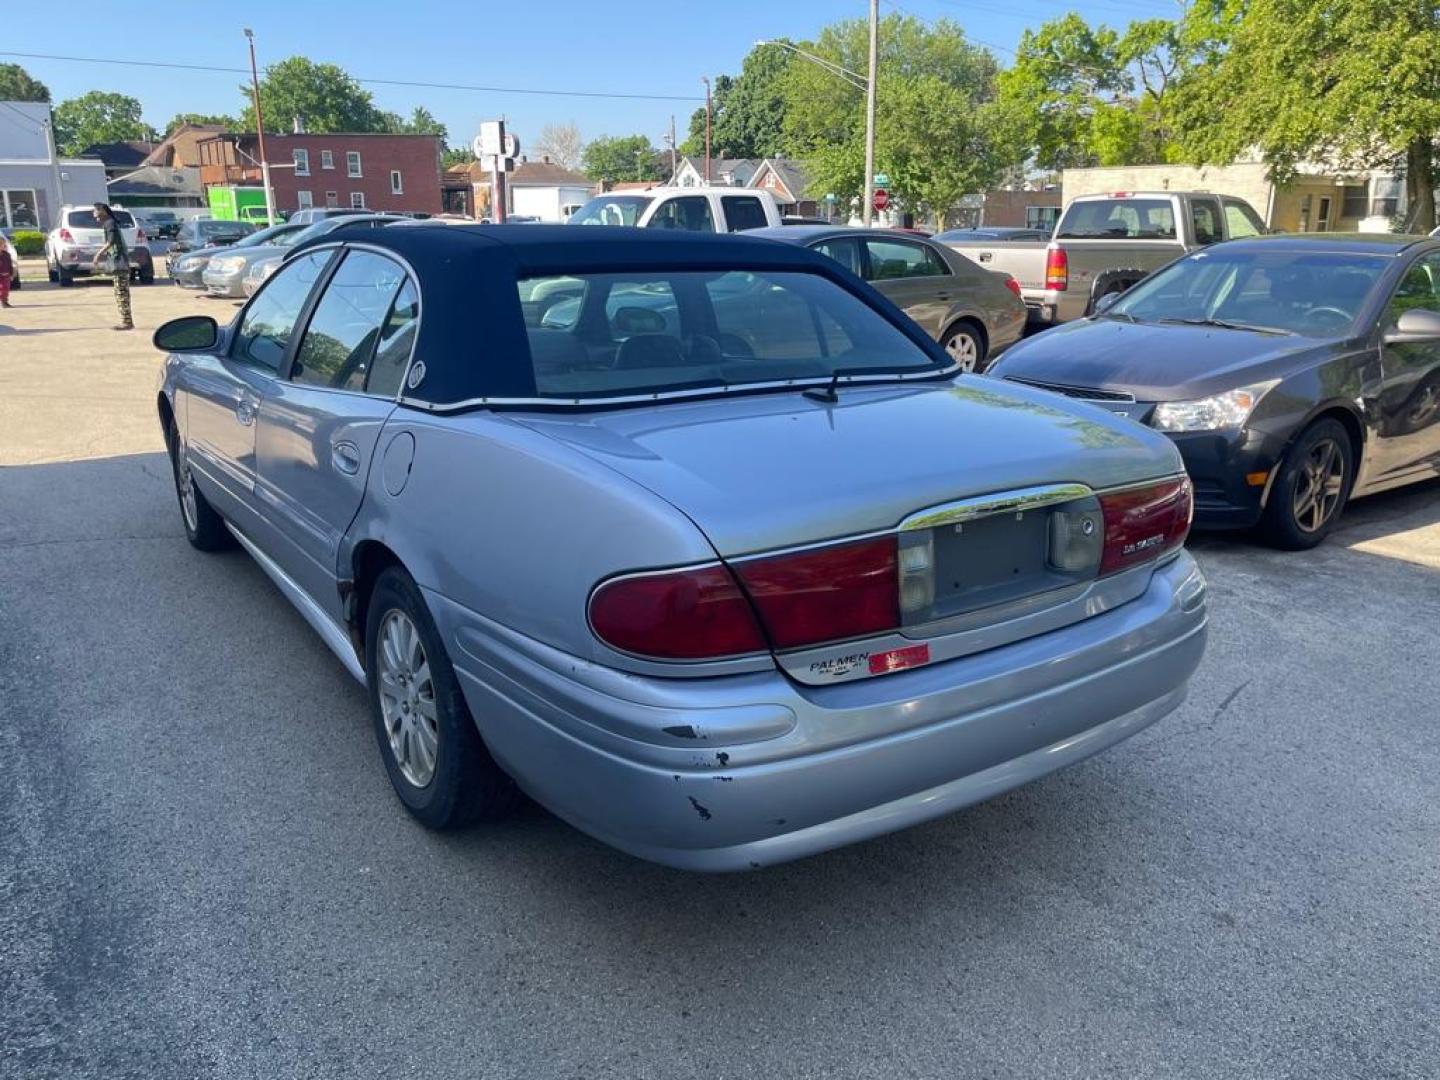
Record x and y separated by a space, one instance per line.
346 457
245 412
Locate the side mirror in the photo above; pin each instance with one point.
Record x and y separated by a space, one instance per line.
189 333
1413 327
1106 302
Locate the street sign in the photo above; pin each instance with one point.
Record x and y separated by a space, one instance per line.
881 180
491 140
881 199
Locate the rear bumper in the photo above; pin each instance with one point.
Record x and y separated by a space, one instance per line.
734 772
1220 464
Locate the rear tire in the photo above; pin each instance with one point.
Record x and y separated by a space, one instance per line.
204 527
433 753
66 278
966 347
1311 489
147 275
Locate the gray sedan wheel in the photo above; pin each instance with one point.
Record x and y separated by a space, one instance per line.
965 348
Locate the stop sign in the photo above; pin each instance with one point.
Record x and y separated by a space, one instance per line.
881 199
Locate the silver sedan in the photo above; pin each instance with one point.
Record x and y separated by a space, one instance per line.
696 540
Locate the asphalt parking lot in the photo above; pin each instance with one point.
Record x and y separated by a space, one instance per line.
204 873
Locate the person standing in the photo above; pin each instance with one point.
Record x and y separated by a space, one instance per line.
114 258
7 270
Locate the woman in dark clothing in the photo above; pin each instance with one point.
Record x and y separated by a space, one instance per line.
118 257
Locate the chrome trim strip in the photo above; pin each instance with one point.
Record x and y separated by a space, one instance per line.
1017 501
333 636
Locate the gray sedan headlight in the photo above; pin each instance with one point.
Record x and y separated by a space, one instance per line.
1228 410
189 262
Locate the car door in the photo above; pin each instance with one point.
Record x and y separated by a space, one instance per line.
1410 396
223 393
318 430
915 278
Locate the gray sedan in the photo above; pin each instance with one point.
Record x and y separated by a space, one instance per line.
974 313
224 273
725 565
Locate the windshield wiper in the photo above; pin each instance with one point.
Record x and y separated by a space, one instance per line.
1225 324
828 393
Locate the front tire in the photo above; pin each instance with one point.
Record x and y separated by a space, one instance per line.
965 347
1311 489
433 753
204 527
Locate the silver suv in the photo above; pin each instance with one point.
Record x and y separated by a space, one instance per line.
71 247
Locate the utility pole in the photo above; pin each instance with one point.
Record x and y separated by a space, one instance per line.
706 81
53 212
868 210
674 161
260 131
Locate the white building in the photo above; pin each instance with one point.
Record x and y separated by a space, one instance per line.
547 191
34 182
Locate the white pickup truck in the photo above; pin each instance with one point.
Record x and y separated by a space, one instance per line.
693 209
1105 243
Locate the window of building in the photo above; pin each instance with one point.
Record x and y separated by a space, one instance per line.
327 159
17 209
302 162
340 339
357 200
332 198
397 184
352 163
1356 201
306 199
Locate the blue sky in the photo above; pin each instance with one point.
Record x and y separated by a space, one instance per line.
622 46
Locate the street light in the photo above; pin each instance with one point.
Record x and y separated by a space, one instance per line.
860 82
260 132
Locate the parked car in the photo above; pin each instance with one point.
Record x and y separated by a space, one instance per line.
722 584
224 272
695 209
14 261
1294 373
259 271
992 232
974 314
72 245
197 241
1103 244
158 224
311 214
799 219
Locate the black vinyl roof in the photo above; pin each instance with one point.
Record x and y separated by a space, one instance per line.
472 336
1355 243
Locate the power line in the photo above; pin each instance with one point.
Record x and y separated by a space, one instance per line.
376 82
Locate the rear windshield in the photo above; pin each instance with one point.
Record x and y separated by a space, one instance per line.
1314 294
86 219
1125 219
222 228
604 335
611 210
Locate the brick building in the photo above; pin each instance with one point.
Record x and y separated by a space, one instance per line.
377 171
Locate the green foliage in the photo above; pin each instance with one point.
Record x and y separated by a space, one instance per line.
324 96
179 120
97 117
17 84
934 112
614 158
423 122
749 110
452 156
28 242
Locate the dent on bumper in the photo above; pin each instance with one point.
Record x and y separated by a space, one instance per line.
741 771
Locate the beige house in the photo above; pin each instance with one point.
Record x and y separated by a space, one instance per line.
1315 201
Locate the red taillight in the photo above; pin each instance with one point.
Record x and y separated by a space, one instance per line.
1012 284
826 594
1057 269
1144 523
65 237
696 614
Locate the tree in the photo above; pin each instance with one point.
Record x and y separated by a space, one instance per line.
423 122
97 117
749 110
179 120
935 106
1354 85
323 96
1080 96
17 84
561 143
612 158
452 156
694 144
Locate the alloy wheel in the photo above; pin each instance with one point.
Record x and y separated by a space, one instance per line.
188 506
407 699
1319 485
963 349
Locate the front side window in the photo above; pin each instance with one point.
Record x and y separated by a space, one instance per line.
1241 221
612 210
1419 288
1123 219
743 212
268 322
357 200
338 343
302 162
604 335
891 259
352 163
327 159
690 214
397 183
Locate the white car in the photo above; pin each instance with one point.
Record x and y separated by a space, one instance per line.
694 209
71 246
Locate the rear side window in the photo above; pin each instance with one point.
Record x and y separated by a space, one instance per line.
691 214
268 322
345 328
845 251
1119 219
743 212
891 259
397 341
